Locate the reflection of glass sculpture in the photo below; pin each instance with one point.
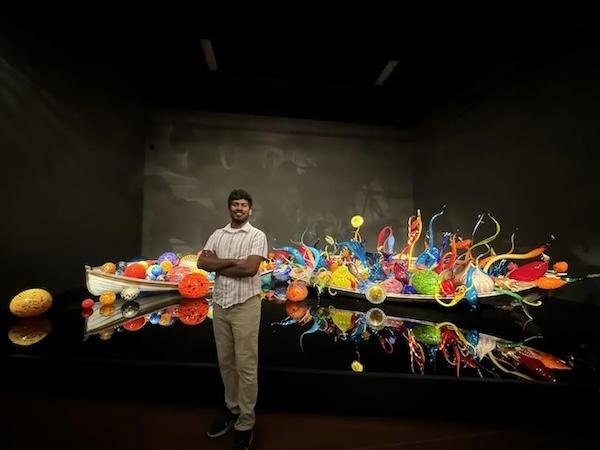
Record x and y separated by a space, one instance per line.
162 309
193 311
130 309
30 331
426 341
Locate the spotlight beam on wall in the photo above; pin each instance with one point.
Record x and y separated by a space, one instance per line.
209 54
386 72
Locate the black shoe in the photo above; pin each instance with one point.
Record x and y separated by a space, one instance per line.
243 439
222 426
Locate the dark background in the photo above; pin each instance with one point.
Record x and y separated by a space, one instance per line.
117 140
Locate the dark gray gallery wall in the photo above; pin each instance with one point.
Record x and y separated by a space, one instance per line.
303 175
72 161
526 153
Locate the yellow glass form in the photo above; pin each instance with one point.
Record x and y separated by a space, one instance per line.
342 319
357 221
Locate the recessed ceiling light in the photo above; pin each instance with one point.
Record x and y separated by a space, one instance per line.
386 72
209 54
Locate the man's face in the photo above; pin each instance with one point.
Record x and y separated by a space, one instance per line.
239 210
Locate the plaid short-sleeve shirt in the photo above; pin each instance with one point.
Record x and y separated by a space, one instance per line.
236 243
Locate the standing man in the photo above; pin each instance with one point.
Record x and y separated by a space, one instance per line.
235 252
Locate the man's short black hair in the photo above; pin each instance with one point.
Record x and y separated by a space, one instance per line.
239 194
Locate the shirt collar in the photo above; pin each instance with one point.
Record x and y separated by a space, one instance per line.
230 229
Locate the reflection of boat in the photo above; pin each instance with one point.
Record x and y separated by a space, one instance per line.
98 282
98 322
162 309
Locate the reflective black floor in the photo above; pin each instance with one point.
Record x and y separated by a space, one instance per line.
339 367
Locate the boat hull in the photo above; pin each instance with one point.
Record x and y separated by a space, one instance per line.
490 298
98 282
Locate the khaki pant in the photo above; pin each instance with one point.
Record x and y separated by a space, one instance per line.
236 336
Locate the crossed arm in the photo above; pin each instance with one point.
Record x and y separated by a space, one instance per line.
232 268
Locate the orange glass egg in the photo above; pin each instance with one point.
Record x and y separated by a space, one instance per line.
136 270
297 291
108 298
31 302
108 267
193 285
549 283
561 266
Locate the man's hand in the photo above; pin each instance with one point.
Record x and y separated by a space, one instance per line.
232 268
245 268
209 261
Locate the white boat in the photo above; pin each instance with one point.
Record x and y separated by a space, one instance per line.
489 298
98 322
98 282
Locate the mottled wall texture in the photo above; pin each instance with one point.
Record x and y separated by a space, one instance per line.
303 175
